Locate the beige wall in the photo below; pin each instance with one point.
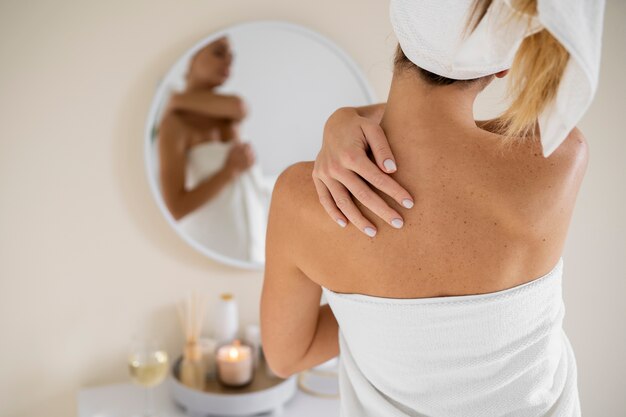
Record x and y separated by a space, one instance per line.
85 256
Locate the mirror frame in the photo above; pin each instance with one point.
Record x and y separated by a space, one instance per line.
161 91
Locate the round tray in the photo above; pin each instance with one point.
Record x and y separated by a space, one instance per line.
265 394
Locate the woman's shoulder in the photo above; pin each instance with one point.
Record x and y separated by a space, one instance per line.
170 123
294 185
539 191
172 134
296 203
573 151
531 172
296 219
566 166
297 172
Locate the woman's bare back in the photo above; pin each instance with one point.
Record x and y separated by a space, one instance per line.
485 219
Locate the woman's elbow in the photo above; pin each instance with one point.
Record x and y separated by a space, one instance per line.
279 357
175 209
281 372
177 214
278 365
240 109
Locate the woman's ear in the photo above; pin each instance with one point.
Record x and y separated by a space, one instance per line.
502 74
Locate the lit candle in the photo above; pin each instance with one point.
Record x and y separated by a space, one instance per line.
234 364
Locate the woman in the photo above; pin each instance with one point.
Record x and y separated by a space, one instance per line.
459 312
203 161
200 116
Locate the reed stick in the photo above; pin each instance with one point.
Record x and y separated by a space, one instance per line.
191 316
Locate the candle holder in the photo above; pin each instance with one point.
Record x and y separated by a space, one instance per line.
265 393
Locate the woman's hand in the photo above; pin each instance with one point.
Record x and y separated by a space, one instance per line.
342 165
239 159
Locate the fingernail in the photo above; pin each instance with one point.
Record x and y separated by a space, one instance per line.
390 166
341 222
407 203
397 223
370 231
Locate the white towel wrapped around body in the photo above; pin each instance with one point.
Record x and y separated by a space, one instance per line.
233 223
488 355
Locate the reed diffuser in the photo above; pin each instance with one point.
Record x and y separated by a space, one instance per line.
192 367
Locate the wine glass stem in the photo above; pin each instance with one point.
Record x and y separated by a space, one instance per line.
149 402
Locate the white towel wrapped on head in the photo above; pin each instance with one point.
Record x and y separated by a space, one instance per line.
432 35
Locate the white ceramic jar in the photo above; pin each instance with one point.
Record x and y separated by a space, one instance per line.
226 320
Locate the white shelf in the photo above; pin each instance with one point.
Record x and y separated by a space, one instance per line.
125 400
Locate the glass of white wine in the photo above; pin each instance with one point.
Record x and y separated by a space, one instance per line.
148 365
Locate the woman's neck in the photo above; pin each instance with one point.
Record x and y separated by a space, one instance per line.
414 106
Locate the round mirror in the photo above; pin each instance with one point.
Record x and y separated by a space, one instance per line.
231 114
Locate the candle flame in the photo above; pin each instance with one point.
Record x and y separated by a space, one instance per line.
233 353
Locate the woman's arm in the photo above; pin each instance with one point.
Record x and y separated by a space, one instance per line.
343 168
173 160
297 332
209 104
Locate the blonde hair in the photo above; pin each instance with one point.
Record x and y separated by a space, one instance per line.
533 80
534 77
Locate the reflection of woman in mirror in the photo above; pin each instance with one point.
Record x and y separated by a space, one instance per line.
206 172
197 116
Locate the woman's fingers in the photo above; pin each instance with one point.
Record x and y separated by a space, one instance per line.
370 172
361 190
327 201
343 167
377 141
344 203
